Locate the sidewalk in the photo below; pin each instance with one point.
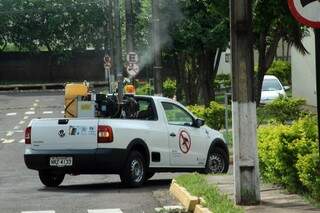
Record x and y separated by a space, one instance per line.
273 199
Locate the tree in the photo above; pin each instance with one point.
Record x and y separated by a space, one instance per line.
55 25
198 41
273 22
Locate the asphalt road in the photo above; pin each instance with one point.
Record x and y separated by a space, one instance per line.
20 188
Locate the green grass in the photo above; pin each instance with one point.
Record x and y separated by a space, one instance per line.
198 186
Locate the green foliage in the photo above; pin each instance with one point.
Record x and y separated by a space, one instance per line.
214 115
55 25
284 109
222 81
145 89
169 88
286 155
198 185
282 70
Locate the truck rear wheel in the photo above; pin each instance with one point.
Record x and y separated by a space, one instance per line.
51 179
134 171
217 162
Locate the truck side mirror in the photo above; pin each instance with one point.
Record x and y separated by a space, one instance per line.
199 122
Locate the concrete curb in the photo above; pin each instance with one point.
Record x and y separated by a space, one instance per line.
48 86
189 202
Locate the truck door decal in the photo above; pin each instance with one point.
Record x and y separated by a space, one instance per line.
184 141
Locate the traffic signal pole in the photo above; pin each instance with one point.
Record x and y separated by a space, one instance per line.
156 47
118 52
244 116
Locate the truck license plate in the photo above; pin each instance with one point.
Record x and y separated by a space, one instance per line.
61 161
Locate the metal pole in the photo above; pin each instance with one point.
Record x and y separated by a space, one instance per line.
129 26
226 116
118 52
156 47
317 43
244 114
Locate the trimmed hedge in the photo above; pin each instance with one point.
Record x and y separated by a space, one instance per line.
214 115
282 110
289 156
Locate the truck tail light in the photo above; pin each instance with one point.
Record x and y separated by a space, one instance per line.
105 134
27 135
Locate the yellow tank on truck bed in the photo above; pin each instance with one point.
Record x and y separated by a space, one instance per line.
72 92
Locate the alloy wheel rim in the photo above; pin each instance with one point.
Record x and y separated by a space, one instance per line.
216 163
137 170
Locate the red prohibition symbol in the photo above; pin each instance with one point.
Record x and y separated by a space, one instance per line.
306 12
184 142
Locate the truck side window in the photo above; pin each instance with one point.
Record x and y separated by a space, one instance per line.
176 115
146 111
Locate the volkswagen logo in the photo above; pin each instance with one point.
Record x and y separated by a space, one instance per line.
62 133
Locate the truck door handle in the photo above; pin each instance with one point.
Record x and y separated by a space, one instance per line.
173 135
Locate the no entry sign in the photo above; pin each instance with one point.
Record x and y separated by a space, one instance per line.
307 12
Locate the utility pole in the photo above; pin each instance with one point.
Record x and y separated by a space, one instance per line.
118 52
129 26
244 116
317 43
156 47
109 41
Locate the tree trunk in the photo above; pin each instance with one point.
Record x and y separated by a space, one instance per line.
179 75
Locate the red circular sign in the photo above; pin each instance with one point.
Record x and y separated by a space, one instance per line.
184 142
306 12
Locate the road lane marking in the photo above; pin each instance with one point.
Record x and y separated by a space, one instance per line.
19 131
9 133
62 112
32 109
47 112
21 141
16 127
37 100
35 104
25 117
11 114
8 141
30 113
49 211
21 122
104 211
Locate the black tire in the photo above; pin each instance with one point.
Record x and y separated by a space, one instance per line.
134 172
217 161
51 179
149 175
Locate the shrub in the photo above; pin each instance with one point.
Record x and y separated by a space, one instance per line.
145 89
214 115
282 70
286 155
284 109
169 88
222 81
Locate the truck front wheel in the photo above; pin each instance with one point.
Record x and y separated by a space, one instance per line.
51 179
217 162
134 171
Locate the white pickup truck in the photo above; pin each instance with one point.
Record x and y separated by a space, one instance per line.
163 136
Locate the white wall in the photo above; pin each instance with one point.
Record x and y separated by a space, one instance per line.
225 67
304 72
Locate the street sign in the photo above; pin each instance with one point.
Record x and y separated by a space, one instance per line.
132 58
306 12
133 70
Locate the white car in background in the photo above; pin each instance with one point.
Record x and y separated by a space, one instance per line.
272 89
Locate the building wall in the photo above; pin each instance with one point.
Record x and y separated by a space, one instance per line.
304 72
